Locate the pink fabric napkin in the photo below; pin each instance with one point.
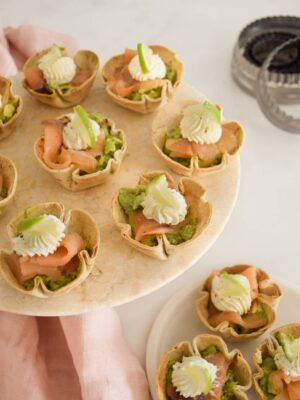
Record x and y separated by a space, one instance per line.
82 357
68 358
17 44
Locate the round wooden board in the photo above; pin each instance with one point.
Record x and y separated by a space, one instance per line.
121 274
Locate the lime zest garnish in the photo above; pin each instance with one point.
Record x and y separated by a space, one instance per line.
231 279
216 112
27 223
80 111
142 51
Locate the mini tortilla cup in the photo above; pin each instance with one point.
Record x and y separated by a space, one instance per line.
268 348
70 177
239 366
6 92
269 295
147 104
10 177
169 118
198 208
84 60
76 220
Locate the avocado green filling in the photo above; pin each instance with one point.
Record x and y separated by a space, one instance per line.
4 192
63 88
131 199
268 366
112 142
184 233
211 349
7 111
154 93
53 284
229 387
260 311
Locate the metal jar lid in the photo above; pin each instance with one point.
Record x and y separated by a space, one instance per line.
256 41
266 64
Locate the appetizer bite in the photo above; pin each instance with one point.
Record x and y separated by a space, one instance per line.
158 217
238 302
52 252
56 79
10 108
204 370
144 79
80 150
8 182
277 360
193 139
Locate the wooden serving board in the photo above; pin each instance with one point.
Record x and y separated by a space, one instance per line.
121 274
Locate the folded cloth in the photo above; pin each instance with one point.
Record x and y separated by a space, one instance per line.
68 358
82 357
17 44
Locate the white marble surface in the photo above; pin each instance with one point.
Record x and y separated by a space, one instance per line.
264 227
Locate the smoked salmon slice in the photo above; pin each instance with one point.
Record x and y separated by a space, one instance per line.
183 148
52 144
219 360
280 382
56 156
83 160
143 226
34 78
250 321
52 265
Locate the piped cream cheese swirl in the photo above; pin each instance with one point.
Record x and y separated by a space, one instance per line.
163 204
75 135
60 71
42 238
156 66
231 292
199 124
193 376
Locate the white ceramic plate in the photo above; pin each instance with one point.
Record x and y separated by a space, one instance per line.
178 321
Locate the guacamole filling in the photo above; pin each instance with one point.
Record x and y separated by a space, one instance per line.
228 390
112 141
7 111
130 201
184 233
154 93
268 366
175 133
53 284
3 193
260 312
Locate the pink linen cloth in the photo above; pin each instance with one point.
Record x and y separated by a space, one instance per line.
17 44
82 357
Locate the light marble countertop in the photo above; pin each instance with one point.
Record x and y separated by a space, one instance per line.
264 227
